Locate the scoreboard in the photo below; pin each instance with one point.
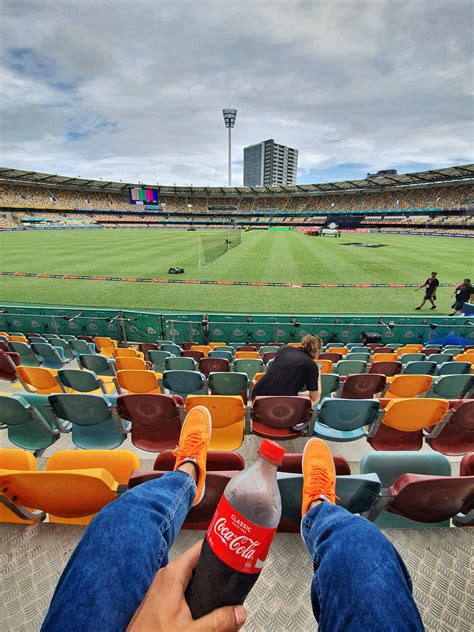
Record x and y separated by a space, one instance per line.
143 196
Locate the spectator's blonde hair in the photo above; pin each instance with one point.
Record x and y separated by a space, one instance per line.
311 344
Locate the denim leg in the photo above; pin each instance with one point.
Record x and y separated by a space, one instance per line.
118 556
360 582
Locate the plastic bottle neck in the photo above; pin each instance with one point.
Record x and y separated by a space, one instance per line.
266 465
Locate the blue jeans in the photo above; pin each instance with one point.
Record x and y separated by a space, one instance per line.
360 582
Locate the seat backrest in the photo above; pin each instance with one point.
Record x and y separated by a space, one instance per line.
411 357
440 358
180 364
390 465
349 367
384 357
409 385
420 367
80 346
329 383
452 386
293 463
218 353
246 348
195 355
40 378
83 410
145 347
119 463
363 386
171 348
96 363
136 364
125 352
137 381
202 348
78 380
281 411
25 429
226 410
216 461
246 354
464 357
216 365
354 355
8 361
412 414
215 345
27 357
49 355
324 366
270 355
347 414
157 358
332 357
467 465
463 416
105 344
249 366
184 382
454 368
337 349
14 459
228 383
386 368
382 349
267 349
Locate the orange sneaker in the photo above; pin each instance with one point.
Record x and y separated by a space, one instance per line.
193 441
319 474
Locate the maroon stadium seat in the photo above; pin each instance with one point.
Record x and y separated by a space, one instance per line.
334 357
362 385
192 353
467 465
386 368
145 347
382 349
269 355
7 362
217 461
156 423
292 463
247 348
214 365
457 436
274 417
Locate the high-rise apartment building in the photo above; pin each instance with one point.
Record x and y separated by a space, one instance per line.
269 164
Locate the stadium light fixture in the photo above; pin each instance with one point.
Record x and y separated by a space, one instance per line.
229 120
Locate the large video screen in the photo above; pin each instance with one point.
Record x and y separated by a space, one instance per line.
144 196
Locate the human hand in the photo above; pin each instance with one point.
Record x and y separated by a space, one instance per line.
164 608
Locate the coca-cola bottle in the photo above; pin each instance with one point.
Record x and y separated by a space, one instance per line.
239 536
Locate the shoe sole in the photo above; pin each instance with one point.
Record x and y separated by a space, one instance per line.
209 421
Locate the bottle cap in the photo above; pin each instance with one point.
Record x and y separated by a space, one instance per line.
272 451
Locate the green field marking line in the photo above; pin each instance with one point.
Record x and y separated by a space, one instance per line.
74 277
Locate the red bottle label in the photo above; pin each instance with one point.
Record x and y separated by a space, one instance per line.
239 543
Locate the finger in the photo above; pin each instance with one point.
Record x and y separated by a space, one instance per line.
228 619
184 565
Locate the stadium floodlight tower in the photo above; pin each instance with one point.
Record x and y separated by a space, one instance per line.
229 120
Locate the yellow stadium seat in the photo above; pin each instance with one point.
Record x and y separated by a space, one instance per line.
384 357
18 339
413 414
130 363
106 346
342 350
294 344
409 349
136 381
14 459
42 380
215 345
325 366
203 348
257 377
247 354
464 357
127 352
228 419
401 386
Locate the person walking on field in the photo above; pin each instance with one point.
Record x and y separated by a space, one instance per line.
431 284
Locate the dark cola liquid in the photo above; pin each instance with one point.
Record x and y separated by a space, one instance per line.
214 584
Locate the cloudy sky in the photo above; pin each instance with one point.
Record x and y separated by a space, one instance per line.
134 89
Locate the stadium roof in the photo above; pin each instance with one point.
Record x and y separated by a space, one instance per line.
462 174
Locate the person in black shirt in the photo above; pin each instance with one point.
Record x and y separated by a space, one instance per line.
431 285
463 294
292 369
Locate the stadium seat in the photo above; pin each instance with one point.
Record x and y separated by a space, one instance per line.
186 346
451 386
336 348
228 419
137 364
14 459
246 354
332 357
280 417
118 463
180 364
440 358
127 352
136 381
453 349
184 383
267 357
389 369
81 381
81 346
382 349
465 357
389 466
195 355
350 367
457 436
202 348
454 368
35 379
94 426
256 378
419 367
405 358
355 355
231 383
215 345
217 460
267 349
145 347
404 421
213 365
18 338
4 346
27 357
357 494
429 351
249 366
51 357
155 420
329 384
8 362
466 468
158 358
50 337
362 386
324 366
64 345
344 419
410 348
28 426
408 385
384 357
246 348
292 463
106 345
96 363
218 353
68 337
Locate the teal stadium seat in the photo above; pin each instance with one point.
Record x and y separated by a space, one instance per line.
184 383
228 383
250 366
158 358
451 386
28 426
329 384
344 419
420 367
51 357
349 367
454 368
27 357
180 364
98 364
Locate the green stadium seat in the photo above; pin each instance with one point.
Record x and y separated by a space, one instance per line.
184 383
454 368
405 358
158 358
180 364
440 358
451 386
80 380
81 346
224 355
329 384
100 365
344 419
250 366
51 357
358 355
420 367
27 357
231 383
28 426
349 367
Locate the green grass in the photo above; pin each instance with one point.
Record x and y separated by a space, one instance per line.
262 256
